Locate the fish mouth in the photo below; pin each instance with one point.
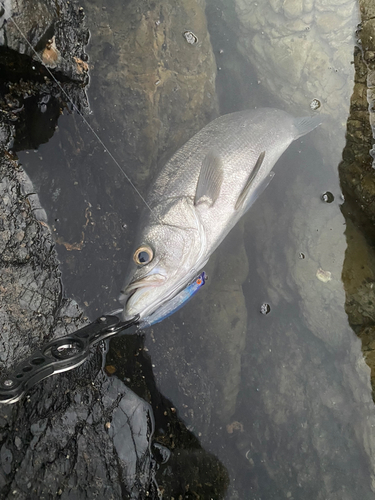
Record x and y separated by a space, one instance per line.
138 289
150 280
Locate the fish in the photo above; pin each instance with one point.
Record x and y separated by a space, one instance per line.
198 197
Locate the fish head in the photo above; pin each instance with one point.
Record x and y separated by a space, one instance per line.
164 261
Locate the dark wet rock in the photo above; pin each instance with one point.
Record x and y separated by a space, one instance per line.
356 169
30 279
358 184
356 172
358 276
66 438
367 336
56 442
72 439
33 108
361 305
41 34
366 35
41 45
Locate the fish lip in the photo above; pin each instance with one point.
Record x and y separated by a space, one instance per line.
153 280
128 296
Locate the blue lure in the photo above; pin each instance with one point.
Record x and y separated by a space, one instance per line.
176 303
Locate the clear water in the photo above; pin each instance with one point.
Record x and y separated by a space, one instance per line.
283 399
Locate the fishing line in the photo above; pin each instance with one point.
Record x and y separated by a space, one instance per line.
79 112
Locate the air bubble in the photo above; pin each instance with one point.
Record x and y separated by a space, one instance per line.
265 308
315 104
190 37
327 197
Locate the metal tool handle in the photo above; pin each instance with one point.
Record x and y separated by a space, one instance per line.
60 355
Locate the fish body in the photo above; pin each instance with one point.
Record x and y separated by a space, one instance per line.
197 198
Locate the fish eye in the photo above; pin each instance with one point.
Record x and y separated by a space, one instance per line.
143 255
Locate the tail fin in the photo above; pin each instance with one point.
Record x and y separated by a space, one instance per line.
306 124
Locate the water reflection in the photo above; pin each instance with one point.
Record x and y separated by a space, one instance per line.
282 401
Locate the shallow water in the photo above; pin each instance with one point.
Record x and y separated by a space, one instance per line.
283 400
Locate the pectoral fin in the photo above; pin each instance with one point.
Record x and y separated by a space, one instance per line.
258 191
210 180
244 193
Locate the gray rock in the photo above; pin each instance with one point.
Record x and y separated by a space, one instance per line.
301 51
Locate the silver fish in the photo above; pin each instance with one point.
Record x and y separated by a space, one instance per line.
199 195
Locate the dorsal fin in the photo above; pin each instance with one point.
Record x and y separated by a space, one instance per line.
243 195
210 179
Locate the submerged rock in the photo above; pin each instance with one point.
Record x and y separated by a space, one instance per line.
310 385
301 49
302 52
152 87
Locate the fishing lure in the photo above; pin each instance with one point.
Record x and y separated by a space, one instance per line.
176 303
